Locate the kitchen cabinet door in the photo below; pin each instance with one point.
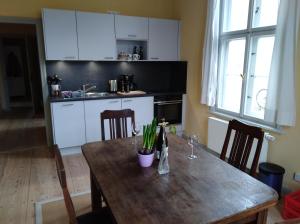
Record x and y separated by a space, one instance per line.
131 27
163 39
68 123
142 107
60 35
96 36
93 109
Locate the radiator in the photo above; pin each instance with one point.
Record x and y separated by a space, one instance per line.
217 129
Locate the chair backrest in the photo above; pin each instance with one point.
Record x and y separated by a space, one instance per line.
117 122
242 145
63 183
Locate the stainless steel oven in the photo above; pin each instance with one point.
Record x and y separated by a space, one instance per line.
168 107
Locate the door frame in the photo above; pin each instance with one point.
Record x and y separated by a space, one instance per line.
42 62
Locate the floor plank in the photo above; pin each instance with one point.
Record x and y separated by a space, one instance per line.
79 172
43 181
30 176
14 187
20 130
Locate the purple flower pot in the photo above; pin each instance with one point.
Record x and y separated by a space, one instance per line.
145 160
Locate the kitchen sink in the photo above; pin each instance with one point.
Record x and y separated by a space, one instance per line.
97 94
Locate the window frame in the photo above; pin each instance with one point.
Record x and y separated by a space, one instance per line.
249 33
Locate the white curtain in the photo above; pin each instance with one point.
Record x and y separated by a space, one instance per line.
210 54
281 99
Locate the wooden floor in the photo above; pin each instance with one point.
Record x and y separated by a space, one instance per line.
21 129
29 175
27 172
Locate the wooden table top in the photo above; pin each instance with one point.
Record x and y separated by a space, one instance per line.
204 190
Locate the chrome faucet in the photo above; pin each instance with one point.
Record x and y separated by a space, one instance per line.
86 89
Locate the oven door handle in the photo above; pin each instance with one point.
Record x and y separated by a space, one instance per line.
159 103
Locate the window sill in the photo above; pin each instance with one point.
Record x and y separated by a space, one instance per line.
278 130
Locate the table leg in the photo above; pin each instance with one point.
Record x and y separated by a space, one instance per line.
95 195
262 217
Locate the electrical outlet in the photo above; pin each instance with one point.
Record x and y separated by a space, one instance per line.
297 177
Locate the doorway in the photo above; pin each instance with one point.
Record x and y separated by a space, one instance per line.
22 123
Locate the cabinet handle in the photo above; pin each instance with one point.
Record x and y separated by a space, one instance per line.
108 58
154 58
125 101
131 35
68 105
69 57
114 101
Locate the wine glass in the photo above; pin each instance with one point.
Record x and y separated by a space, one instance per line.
193 139
135 130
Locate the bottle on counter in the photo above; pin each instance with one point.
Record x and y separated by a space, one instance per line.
141 53
134 50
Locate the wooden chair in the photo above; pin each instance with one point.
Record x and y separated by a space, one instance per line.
242 144
101 217
117 122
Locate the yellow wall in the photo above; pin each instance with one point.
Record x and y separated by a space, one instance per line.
285 151
32 8
192 14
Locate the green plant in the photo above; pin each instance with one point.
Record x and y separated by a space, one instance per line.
149 137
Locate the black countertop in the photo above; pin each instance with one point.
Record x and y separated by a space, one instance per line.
110 96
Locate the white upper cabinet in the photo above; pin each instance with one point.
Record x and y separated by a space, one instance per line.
131 27
96 36
60 34
71 35
163 39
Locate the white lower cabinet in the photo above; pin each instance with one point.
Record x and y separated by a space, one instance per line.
93 109
142 107
68 123
77 122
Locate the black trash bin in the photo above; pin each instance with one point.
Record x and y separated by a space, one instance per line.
272 175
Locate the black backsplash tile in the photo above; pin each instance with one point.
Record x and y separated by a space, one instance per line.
149 76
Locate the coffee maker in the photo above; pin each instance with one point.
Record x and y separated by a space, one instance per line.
126 83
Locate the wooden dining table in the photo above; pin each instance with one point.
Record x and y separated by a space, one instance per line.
203 190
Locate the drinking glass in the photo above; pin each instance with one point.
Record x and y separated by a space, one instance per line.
193 139
135 130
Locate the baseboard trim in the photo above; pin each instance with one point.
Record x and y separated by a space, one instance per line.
70 150
38 205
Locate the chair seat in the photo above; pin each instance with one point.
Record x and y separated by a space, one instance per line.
102 217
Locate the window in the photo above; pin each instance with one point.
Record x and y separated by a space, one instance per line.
247 30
